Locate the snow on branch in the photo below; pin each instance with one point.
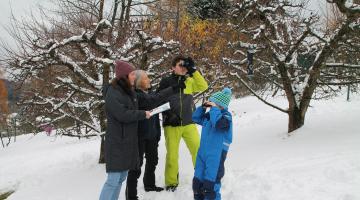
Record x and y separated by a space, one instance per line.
256 95
68 82
350 5
295 47
67 61
86 36
235 64
346 6
139 49
339 83
343 65
58 107
78 119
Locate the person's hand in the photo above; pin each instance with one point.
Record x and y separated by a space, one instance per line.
212 104
208 104
148 114
189 64
205 105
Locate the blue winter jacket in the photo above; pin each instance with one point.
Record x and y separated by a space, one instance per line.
216 134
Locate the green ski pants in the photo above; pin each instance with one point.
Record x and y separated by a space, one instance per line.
173 136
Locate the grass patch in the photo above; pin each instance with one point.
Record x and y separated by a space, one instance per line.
5 195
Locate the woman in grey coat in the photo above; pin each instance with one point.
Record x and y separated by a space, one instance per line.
123 114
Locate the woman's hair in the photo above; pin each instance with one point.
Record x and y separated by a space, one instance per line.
139 76
176 60
124 83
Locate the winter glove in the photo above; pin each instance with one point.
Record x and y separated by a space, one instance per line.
223 124
189 65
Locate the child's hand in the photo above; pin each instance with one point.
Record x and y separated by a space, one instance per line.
205 105
212 104
208 104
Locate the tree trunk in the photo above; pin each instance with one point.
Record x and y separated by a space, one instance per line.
102 116
1 138
122 13
103 129
127 14
177 20
102 150
161 17
296 119
113 18
101 9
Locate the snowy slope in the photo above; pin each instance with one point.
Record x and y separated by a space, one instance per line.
319 162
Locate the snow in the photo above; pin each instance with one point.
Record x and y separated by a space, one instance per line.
343 65
72 39
156 40
77 69
355 25
107 61
104 22
102 44
350 5
69 82
320 161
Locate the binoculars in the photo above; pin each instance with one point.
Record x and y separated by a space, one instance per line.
206 105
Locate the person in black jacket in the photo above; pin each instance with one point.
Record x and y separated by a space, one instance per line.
149 133
121 138
177 121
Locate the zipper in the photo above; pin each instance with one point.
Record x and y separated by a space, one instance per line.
181 106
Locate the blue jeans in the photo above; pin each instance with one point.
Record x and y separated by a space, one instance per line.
112 186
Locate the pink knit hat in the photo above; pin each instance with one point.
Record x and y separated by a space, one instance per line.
122 69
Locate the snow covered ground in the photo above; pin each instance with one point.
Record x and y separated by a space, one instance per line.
319 162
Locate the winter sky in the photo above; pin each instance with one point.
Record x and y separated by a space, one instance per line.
21 8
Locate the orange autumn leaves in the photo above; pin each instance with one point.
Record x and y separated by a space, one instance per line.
205 38
198 38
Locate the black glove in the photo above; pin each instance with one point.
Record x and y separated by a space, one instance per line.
189 65
180 85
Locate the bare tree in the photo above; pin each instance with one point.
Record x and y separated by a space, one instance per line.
280 37
65 64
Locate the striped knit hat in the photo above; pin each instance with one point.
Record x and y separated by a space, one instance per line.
221 98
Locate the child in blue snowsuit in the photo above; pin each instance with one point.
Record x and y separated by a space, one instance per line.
216 137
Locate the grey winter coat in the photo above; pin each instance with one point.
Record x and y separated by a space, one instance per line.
121 138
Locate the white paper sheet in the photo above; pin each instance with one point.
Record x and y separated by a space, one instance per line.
160 109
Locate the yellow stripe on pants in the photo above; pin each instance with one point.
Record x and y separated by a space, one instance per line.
173 136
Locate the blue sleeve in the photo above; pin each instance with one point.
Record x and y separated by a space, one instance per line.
220 120
198 115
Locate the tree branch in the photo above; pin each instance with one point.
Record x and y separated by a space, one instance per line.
256 95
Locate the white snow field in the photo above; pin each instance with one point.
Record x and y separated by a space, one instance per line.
321 161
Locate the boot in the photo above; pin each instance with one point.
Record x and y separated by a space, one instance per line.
171 188
153 188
